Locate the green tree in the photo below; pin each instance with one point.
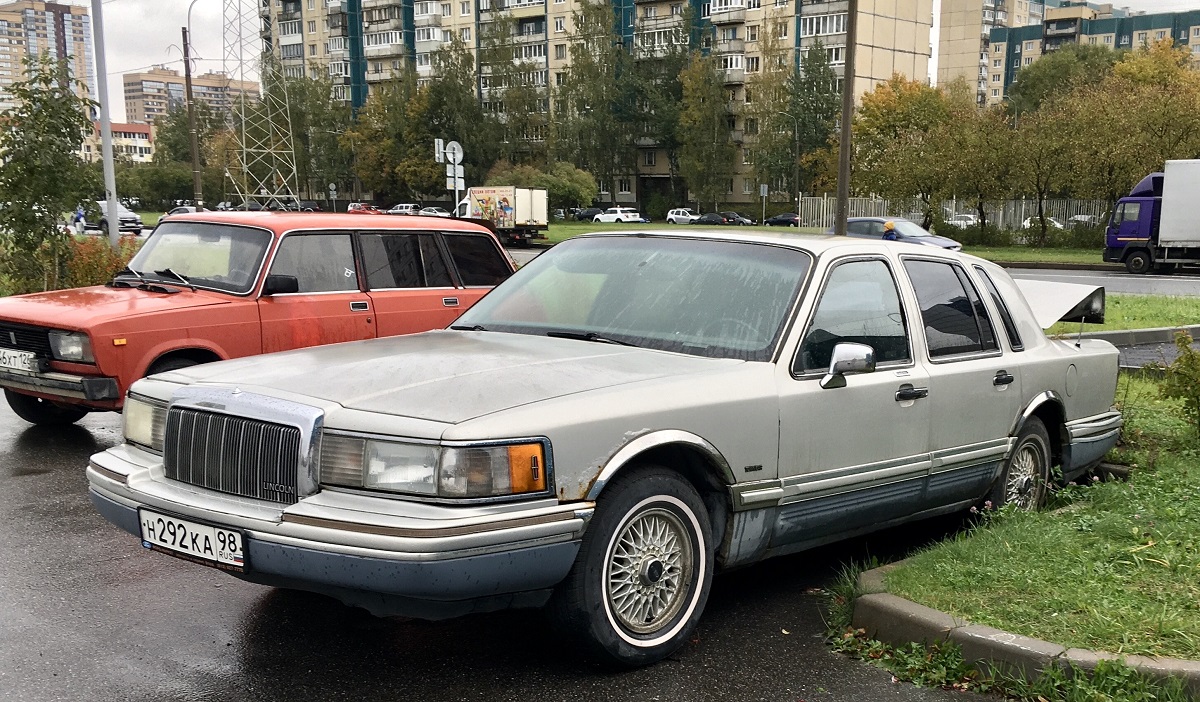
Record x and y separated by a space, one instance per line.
658 61
455 112
377 139
1044 160
565 185
513 87
772 122
817 101
41 176
172 141
706 153
1058 72
978 150
318 121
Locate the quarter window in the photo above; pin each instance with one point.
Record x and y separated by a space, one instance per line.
320 262
403 261
859 304
955 320
1010 328
477 259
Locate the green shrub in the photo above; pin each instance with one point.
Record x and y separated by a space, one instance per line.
93 262
1078 237
979 236
656 206
1181 378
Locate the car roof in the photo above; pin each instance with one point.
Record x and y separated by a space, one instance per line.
280 222
816 244
878 219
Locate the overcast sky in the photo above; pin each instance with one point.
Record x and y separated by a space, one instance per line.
141 33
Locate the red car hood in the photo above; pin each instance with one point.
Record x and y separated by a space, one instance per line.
87 308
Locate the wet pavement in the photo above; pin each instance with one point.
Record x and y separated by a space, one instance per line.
1142 355
87 614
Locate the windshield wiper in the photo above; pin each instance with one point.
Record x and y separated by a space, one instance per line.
176 276
588 336
127 271
464 327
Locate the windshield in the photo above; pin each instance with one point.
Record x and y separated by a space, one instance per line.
215 256
705 298
909 230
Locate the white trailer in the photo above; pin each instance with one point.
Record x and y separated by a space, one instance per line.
517 214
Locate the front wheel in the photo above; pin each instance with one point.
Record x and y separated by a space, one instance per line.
1138 262
36 410
1027 471
643 572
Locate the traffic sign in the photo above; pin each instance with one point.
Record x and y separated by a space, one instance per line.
333 187
439 151
454 152
455 184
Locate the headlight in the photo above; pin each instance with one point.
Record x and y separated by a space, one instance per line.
71 346
145 422
474 471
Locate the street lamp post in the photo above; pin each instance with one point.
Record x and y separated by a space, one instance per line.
796 161
197 187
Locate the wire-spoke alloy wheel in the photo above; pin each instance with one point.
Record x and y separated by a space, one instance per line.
643 572
1027 470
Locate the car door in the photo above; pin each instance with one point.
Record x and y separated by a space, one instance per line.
859 229
409 281
329 307
479 264
855 455
974 384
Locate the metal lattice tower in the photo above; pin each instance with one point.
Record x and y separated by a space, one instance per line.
263 165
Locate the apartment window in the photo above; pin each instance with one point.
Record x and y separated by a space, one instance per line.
998 48
1196 32
752 32
781 30
447 9
1142 36
649 158
1160 35
289 51
997 63
422 60
1091 40
749 96
706 9
996 78
623 185
464 8
728 33
819 25
753 4
312 49
1029 46
312 26
560 24
1108 40
752 64
729 187
559 78
676 9
837 55
465 34
1028 60
747 159
751 126
311 4
747 185
731 62
560 52
289 28
421 33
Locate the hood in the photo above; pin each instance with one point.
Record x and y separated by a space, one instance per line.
448 376
87 308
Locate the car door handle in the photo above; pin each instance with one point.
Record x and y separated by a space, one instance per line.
360 306
450 301
908 392
1003 378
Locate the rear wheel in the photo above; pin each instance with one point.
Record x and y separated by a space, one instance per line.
643 572
1138 262
1027 470
36 410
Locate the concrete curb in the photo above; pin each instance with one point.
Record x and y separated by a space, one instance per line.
1040 265
897 621
1137 337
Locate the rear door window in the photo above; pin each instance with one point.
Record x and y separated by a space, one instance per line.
478 259
403 260
955 319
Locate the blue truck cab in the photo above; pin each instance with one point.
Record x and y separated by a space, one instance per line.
1155 227
1133 227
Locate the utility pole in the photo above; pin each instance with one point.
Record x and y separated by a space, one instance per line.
113 216
197 187
843 190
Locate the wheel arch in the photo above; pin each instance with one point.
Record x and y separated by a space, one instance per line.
1047 406
692 456
198 354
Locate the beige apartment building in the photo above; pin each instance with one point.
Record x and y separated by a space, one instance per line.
964 43
151 94
893 37
30 27
131 142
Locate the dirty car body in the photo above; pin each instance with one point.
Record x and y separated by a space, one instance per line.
624 416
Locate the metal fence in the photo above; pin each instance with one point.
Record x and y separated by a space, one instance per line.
1007 214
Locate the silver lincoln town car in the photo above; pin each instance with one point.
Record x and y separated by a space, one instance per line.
625 416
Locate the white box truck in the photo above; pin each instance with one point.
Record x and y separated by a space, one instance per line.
1155 227
517 214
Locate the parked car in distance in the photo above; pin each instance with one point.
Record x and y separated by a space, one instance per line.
681 215
963 221
408 208
712 218
906 231
786 219
434 212
1035 223
618 214
739 219
587 214
215 285
310 206
1084 220
716 399
182 209
127 220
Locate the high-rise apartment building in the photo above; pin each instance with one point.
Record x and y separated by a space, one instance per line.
152 94
1083 23
964 42
30 28
364 42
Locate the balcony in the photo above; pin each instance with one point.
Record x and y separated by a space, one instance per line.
427 21
730 46
1061 29
735 76
333 5
735 135
530 37
732 15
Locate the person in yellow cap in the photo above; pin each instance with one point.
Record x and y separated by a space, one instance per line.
889 230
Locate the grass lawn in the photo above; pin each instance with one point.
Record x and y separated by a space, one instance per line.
1026 254
1140 312
561 231
150 219
1111 566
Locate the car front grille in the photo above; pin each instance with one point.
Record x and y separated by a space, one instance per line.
25 338
234 455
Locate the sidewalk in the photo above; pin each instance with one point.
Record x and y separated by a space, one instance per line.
1142 347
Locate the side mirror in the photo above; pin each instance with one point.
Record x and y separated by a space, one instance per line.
848 359
281 285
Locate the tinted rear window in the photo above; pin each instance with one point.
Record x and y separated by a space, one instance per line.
478 260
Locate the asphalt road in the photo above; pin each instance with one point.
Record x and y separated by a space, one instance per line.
1184 284
87 614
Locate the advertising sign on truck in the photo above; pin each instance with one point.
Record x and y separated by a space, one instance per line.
519 214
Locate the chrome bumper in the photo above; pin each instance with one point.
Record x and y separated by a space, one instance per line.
77 387
389 556
1087 441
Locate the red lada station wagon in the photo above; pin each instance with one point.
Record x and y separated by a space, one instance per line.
210 286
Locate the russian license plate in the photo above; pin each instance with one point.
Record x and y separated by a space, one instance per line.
19 360
200 543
